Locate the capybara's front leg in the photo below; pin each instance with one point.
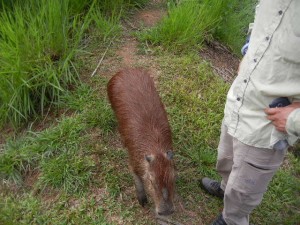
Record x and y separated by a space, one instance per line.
140 190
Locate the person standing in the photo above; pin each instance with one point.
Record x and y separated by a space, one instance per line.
262 112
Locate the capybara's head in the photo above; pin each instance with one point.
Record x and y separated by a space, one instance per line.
160 181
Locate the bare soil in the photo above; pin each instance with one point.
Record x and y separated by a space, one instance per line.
150 17
221 59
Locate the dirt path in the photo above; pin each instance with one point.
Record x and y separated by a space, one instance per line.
129 52
147 17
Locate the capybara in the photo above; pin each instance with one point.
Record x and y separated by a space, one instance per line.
145 132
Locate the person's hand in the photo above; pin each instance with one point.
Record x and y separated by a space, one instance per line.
279 116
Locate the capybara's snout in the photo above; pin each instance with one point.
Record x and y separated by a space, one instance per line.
165 209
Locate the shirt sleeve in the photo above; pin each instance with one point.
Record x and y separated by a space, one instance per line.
293 123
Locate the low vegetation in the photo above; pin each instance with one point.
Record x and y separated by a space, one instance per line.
225 20
179 32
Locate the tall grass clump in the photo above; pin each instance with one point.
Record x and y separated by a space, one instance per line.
232 30
36 56
40 42
187 25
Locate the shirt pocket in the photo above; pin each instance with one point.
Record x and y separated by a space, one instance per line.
289 38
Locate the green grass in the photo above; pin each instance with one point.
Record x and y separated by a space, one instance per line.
233 27
35 68
55 152
59 153
281 198
190 23
69 171
195 108
187 25
29 209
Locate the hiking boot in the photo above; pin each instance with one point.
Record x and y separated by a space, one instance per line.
219 221
213 187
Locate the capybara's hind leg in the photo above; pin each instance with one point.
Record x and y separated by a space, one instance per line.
140 190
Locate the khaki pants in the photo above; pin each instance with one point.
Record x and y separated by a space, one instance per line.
246 172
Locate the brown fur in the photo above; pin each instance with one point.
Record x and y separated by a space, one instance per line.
145 130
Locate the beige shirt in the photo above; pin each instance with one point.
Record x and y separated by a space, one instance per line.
270 69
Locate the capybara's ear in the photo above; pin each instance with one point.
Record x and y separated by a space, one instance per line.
149 158
170 154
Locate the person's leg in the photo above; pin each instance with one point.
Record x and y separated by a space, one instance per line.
224 164
225 156
251 173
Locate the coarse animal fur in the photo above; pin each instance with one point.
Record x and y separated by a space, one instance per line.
145 132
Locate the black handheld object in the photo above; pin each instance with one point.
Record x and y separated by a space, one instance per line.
280 102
